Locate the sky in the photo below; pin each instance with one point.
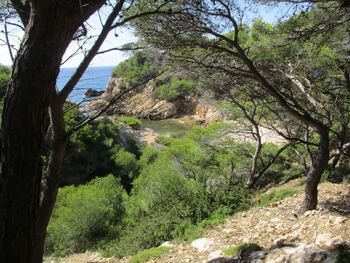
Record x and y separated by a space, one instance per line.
125 35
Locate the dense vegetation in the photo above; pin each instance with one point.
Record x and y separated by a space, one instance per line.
292 76
4 78
134 69
187 182
171 85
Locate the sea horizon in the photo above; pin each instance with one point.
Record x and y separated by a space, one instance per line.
94 77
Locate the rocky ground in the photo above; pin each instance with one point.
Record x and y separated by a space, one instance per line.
311 237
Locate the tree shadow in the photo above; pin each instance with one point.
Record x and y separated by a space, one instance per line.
339 205
224 260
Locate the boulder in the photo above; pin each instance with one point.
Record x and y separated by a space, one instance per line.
202 244
93 93
300 253
328 241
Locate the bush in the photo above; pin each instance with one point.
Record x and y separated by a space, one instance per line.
174 89
232 251
343 254
148 254
134 69
236 250
186 231
126 164
161 199
4 78
276 195
85 216
130 121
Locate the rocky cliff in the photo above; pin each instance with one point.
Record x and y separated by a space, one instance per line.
142 104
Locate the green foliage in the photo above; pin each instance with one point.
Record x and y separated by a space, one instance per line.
149 155
95 150
4 78
160 200
85 216
187 231
134 69
174 89
343 254
131 121
275 195
126 163
236 250
148 254
182 189
232 251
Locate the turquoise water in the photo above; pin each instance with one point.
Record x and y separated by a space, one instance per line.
94 77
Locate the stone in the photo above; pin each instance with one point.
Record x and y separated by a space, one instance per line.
275 220
323 238
340 220
215 254
295 237
202 244
167 244
93 93
280 242
310 213
302 253
227 230
327 241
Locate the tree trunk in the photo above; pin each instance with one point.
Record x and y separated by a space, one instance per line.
25 205
253 174
313 177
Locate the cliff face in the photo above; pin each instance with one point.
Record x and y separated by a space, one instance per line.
142 104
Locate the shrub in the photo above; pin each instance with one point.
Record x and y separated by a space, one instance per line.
4 78
187 231
126 164
237 250
85 216
343 254
134 68
232 251
130 121
161 199
148 254
174 89
276 195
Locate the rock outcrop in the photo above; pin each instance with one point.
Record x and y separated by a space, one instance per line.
141 103
206 113
93 93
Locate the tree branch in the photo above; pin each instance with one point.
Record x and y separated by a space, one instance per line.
23 10
110 103
67 89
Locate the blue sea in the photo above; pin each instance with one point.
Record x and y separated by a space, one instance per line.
94 77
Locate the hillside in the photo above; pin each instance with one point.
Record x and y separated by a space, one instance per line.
309 238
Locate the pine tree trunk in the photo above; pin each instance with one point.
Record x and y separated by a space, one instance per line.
25 203
316 170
